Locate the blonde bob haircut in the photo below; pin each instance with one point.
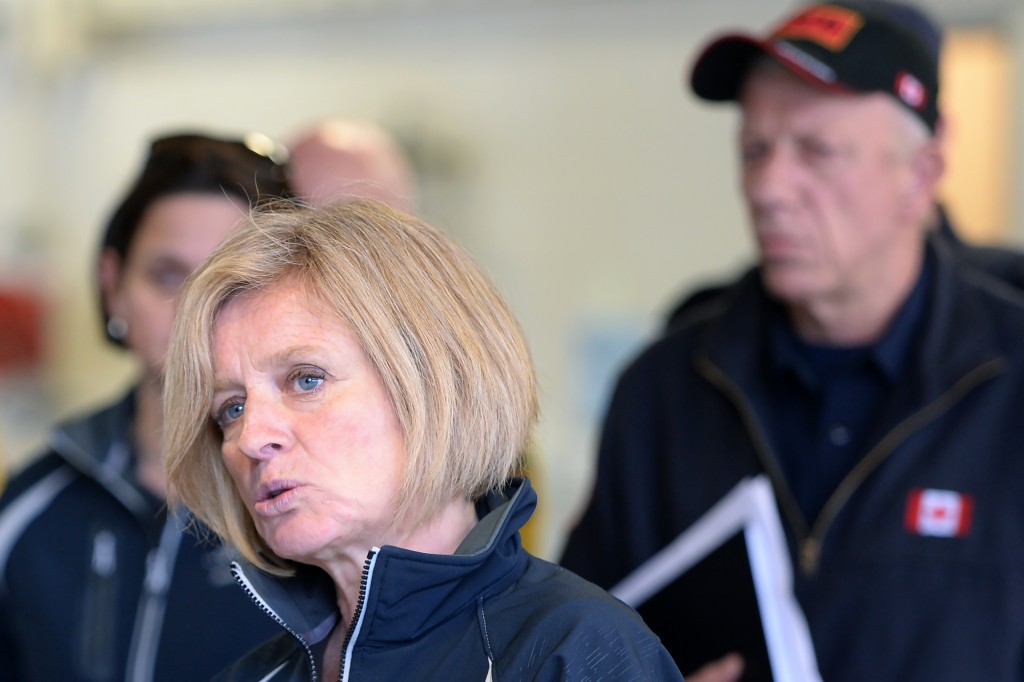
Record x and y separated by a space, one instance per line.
445 346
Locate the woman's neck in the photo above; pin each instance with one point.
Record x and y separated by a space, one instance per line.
442 534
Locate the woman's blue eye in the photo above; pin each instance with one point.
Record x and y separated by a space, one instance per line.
309 382
231 412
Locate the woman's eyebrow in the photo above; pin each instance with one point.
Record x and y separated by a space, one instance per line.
286 356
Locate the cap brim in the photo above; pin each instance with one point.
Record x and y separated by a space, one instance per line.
721 68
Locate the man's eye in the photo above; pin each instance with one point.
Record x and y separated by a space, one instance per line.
753 151
818 149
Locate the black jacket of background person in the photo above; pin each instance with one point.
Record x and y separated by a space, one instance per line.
98 583
882 602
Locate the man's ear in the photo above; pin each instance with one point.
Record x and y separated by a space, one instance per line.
933 162
927 167
930 166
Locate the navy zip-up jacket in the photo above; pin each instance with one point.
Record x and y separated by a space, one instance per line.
98 583
489 612
892 587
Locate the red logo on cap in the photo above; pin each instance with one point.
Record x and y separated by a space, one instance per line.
827 25
911 91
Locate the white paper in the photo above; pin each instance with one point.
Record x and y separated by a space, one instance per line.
750 507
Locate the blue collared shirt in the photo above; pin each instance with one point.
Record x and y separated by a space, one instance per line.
825 399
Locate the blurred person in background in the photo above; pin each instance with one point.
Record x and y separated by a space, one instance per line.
862 367
97 580
342 159
1001 262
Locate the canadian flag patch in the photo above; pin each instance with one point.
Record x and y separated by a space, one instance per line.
939 513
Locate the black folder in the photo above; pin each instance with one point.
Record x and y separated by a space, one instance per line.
725 585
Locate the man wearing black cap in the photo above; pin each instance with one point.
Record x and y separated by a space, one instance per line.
873 378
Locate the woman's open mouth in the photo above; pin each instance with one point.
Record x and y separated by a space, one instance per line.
276 497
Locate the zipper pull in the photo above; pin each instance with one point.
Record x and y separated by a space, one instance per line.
97 638
810 553
157 574
104 553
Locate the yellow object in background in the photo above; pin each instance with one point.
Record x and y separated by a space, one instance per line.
533 532
977 101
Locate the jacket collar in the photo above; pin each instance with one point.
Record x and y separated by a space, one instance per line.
99 439
98 446
408 592
956 335
960 331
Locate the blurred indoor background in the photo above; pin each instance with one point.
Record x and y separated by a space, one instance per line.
553 138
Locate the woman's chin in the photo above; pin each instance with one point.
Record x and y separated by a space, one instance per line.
293 547
285 543
290 552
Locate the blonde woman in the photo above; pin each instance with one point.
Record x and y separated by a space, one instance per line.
348 399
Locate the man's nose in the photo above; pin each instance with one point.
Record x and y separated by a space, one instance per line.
772 178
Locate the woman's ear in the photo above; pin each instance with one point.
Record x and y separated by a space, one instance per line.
110 266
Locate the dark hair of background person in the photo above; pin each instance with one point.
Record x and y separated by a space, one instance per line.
252 169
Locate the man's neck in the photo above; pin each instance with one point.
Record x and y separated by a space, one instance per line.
859 318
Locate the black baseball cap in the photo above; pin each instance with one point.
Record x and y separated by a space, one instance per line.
867 46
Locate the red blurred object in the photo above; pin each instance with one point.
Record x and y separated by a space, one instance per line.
21 330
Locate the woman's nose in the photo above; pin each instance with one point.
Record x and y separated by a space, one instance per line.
264 431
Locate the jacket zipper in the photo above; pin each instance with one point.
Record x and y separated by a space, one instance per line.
786 500
149 622
247 587
357 616
810 542
810 550
100 607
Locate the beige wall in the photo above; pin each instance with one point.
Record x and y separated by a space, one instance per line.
977 78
